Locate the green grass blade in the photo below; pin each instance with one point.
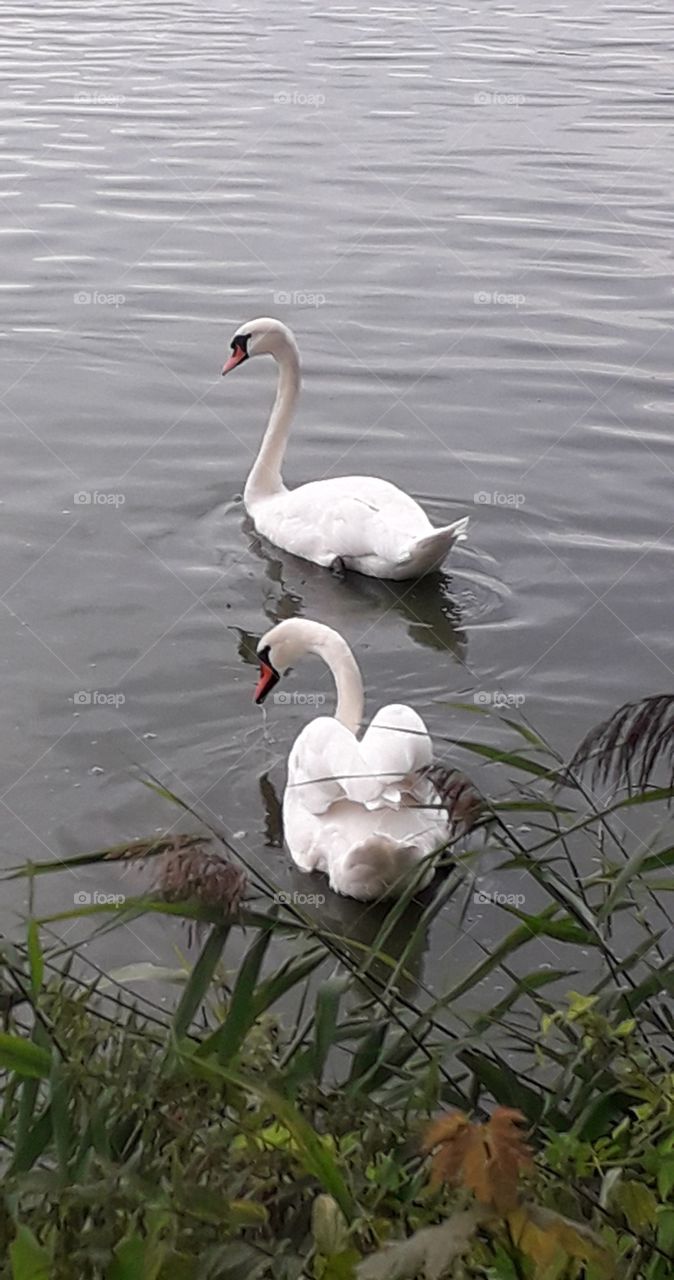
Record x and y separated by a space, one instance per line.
23 1056
226 1040
504 1084
249 1002
327 1013
511 758
35 957
200 980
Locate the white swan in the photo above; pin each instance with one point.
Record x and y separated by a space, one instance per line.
350 522
364 811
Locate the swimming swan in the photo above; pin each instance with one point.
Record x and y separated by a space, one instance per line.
348 522
363 810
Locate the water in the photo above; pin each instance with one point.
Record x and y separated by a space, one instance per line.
465 215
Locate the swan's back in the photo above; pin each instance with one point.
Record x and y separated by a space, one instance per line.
366 812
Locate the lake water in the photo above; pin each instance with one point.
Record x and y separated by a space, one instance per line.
464 213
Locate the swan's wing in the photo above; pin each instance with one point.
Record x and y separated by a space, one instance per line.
326 765
348 516
396 746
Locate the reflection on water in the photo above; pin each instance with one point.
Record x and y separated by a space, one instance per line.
433 618
273 813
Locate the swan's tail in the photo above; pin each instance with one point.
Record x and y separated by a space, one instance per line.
376 868
428 553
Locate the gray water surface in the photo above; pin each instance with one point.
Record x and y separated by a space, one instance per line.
465 214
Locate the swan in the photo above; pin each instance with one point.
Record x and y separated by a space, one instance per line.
363 810
348 522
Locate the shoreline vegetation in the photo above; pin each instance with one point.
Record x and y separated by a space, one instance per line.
309 1107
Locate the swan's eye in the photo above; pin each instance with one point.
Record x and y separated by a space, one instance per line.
240 343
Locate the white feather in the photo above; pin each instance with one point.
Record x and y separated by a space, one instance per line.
359 810
365 523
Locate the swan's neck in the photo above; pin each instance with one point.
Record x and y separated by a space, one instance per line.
348 682
265 479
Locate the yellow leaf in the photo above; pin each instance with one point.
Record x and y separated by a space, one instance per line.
485 1158
550 1240
538 1244
451 1134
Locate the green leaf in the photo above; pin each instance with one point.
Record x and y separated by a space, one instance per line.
129 1260
34 1142
518 938
562 930
646 797
143 971
638 1204
661 979
24 1057
367 1054
658 861
666 1230
226 1040
249 1002
327 1012
35 957
506 757
528 734
665 1176
317 1157
631 869
115 853
199 980
29 1260
525 986
504 1084
341 1266
530 806
600 1115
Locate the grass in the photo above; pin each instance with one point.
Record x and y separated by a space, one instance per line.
271 1123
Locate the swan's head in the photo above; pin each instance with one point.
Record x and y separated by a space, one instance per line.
281 647
277 651
261 337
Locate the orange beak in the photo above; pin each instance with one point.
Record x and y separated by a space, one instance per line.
268 678
236 357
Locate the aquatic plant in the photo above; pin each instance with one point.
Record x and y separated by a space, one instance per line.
315 1109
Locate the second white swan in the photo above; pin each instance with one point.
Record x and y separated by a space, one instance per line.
347 522
363 810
